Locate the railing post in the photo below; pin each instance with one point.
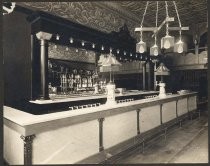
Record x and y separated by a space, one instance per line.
138 128
101 147
161 118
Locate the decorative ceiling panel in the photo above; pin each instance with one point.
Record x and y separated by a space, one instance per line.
190 11
85 13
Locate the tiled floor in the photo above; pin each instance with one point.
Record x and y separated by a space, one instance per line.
188 144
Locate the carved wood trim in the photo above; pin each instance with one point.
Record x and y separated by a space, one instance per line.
28 140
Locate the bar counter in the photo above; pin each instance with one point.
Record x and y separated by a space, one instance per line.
59 103
88 135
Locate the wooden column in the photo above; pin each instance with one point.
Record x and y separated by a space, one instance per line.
44 37
144 74
101 146
28 140
149 76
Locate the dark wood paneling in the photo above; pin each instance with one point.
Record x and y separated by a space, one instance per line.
17 59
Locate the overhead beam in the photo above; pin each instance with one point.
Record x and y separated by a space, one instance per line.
178 28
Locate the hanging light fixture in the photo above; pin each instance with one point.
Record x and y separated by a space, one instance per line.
141 46
154 50
180 46
167 41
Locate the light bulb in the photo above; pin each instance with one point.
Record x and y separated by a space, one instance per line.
76 50
93 45
131 54
67 48
141 49
102 48
118 51
83 43
124 53
167 44
180 48
57 37
156 51
55 46
71 40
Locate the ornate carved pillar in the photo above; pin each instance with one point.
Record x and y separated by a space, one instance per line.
28 140
44 37
101 146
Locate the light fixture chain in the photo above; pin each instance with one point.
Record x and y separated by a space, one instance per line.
177 13
166 9
143 19
166 4
144 14
156 23
157 15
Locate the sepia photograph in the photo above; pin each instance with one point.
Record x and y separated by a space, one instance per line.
105 82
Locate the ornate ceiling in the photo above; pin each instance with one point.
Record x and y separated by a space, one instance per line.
190 11
109 16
